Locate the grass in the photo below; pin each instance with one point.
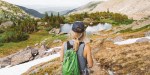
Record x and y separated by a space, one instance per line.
145 28
51 67
37 37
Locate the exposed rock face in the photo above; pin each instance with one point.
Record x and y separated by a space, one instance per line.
136 9
5 62
24 56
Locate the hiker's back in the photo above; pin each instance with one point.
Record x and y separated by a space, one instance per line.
82 62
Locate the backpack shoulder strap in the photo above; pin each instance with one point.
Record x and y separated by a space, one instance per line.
69 46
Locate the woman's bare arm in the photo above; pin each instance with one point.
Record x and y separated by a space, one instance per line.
62 53
89 55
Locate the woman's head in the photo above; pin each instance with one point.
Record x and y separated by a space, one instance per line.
78 33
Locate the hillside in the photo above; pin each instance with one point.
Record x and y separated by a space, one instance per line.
32 12
85 8
135 9
11 12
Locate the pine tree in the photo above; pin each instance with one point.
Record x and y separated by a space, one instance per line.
46 16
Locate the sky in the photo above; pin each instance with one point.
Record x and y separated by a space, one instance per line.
41 4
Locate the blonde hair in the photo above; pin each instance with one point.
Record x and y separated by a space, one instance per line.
81 38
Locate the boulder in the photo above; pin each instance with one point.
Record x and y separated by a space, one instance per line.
43 42
23 56
7 24
118 39
36 45
5 62
56 49
147 33
62 33
34 52
54 31
142 40
39 23
42 50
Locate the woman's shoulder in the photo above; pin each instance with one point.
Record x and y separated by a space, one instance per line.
87 46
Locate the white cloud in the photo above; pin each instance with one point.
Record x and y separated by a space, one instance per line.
51 3
54 5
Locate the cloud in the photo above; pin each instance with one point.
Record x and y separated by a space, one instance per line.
50 2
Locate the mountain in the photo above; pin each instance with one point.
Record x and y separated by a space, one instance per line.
136 9
11 12
32 12
60 13
85 8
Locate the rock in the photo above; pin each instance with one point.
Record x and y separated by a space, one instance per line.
109 39
57 41
36 44
52 51
21 57
57 49
147 33
46 73
96 33
118 39
61 33
7 24
142 40
5 62
40 23
34 52
42 50
45 23
43 42
54 31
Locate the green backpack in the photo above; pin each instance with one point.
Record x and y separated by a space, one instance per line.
70 63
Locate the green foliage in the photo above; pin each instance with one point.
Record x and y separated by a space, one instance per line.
53 21
147 27
14 36
1 44
18 32
11 12
100 17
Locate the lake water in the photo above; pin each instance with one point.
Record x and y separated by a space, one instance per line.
66 28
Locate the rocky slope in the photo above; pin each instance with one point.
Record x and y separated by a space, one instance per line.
85 8
135 9
11 12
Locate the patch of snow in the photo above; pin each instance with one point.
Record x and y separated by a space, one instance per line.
129 41
99 27
51 49
21 68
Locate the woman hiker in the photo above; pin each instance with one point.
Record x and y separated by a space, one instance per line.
82 48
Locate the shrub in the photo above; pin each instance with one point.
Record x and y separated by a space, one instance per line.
14 36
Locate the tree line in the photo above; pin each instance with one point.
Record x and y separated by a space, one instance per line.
100 17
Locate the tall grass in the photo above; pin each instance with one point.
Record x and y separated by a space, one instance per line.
36 37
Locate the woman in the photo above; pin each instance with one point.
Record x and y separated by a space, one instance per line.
83 49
